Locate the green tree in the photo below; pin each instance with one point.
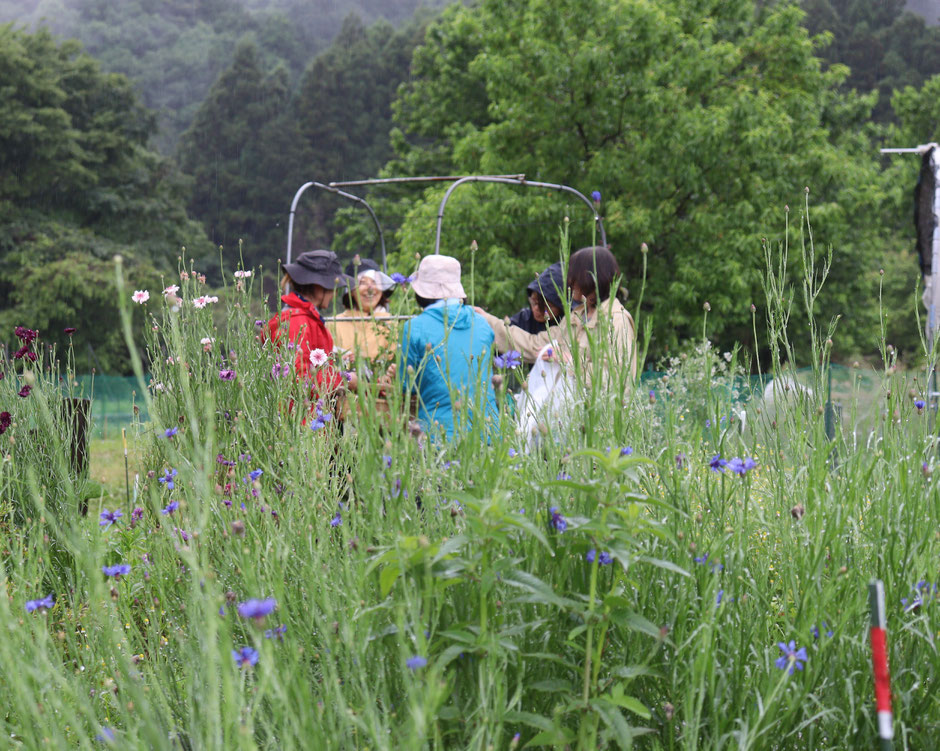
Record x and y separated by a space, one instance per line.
698 121
77 186
236 191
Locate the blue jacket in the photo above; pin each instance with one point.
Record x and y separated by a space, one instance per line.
446 370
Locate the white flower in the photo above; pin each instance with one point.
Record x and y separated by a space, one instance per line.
171 290
242 274
140 296
200 302
212 298
318 358
206 340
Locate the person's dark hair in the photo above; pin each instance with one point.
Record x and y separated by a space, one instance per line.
304 290
584 264
423 302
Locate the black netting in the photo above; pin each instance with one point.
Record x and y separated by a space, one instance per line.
924 219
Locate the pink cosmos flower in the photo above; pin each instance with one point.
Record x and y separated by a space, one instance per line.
140 296
318 358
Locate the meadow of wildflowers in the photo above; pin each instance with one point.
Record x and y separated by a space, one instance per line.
278 577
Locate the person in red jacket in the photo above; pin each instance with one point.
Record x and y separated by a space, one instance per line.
312 280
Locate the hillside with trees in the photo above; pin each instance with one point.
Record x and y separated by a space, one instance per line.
174 50
78 184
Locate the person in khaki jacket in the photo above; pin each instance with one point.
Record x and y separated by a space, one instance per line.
358 330
598 323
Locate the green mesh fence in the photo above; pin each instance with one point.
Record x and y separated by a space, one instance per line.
113 399
854 395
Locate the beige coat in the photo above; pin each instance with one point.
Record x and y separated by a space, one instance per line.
609 330
366 339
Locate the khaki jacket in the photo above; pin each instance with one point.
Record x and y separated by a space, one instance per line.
366 339
609 330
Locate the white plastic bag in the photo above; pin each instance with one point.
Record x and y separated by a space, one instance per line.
547 399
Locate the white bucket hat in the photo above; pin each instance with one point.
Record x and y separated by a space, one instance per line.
437 278
382 280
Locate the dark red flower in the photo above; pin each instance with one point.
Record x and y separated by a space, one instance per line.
24 392
24 350
5 422
25 334
69 330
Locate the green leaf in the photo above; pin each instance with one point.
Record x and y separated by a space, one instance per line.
388 577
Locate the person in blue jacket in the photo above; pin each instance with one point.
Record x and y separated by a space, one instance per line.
446 351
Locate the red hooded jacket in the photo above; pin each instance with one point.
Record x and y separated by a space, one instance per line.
306 331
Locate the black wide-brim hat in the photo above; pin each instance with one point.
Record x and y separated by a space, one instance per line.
317 267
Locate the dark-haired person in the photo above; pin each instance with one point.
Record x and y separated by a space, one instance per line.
545 305
312 279
598 323
446 349
358 330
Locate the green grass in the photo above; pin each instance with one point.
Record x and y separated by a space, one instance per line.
381 547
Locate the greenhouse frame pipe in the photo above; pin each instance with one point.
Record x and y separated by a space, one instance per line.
513 181
344 194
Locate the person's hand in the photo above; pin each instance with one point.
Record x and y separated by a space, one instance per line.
551 354
478 309
385 381
352 380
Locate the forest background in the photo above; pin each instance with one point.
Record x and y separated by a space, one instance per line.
145 126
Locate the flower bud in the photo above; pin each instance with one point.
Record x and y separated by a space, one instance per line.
706 307
797 511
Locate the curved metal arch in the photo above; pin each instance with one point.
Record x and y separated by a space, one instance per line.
344 194
513 181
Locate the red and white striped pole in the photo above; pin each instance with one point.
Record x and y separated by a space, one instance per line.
879 658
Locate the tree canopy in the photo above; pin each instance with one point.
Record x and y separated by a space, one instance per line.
78 185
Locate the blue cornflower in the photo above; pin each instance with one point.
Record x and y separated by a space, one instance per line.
320 420
167 478
721 593
626 451
791 657
815 630
563 476
401 278
117 570
513 453
717 463
110 517
596 196
257 608
701 558
416 662
170 508
255 474
387 461
105 736
920 404
741 466
680 460
708 423
45 602
508 361
245 657
276 633
604 559
170 432
336 520
558 521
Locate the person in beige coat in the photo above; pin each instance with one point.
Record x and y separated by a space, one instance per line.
597 338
